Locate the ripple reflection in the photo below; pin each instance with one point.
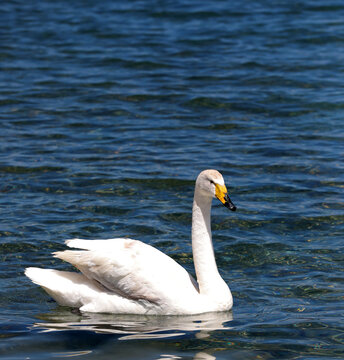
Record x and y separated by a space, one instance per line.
135 326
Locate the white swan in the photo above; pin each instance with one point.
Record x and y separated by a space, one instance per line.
126 276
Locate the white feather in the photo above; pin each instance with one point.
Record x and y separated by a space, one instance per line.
127 276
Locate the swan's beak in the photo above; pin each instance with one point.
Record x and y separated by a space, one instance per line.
222 194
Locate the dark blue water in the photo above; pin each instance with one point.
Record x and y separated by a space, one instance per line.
108 113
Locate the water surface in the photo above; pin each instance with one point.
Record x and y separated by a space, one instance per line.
108 113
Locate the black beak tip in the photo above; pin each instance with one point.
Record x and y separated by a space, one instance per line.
228 204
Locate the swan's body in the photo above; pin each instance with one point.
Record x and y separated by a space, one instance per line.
127 276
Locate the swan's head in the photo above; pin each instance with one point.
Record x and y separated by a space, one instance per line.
211 183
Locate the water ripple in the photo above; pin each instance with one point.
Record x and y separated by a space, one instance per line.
108 112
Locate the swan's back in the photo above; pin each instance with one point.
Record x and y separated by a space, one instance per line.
130 268
124 271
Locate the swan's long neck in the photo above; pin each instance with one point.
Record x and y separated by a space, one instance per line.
202 247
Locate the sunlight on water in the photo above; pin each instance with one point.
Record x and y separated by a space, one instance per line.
108 113
136 326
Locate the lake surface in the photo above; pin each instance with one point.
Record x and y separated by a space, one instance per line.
110 110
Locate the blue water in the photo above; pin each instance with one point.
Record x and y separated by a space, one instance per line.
108 113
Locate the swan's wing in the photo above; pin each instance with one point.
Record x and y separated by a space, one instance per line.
130 268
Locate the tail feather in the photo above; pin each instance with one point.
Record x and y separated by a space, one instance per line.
66 288
75 290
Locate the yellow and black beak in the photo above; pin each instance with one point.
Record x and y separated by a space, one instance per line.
222 194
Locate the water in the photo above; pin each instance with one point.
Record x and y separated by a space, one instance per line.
108 113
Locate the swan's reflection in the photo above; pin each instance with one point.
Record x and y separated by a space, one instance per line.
135 326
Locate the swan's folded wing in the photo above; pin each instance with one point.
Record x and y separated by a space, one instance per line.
130 268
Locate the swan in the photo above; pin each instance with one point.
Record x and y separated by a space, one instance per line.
125 276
